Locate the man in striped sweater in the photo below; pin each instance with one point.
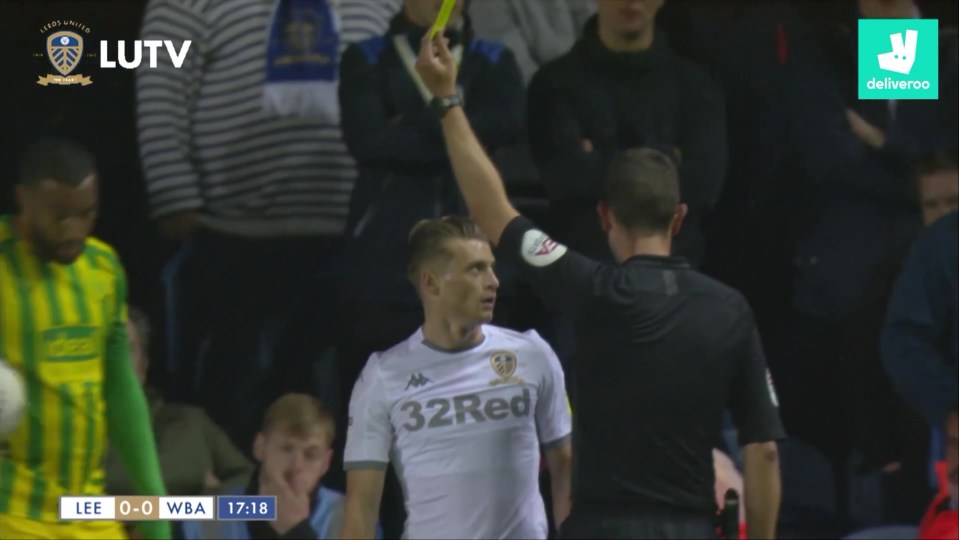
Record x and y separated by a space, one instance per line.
245 164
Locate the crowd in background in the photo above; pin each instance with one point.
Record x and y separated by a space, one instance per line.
280 261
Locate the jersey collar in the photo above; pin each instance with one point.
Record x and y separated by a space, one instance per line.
658 260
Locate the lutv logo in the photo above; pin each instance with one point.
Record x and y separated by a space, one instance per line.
176 57
898 59
65 48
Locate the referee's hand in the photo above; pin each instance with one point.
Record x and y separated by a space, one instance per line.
436 65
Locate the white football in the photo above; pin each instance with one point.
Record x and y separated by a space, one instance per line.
12 399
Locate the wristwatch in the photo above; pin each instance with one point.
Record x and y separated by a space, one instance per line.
441 105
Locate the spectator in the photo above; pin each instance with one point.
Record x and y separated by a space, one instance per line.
537 31
195 455
747 45
920 347
243 157
852 204
891 437
293 450
622 86
856 156
404 174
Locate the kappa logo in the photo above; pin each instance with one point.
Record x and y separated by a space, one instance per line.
539 250
417 380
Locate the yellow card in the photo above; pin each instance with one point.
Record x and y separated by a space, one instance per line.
442 17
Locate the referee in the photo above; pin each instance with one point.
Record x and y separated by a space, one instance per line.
662 349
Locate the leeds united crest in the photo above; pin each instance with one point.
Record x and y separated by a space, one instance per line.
64 50
504 365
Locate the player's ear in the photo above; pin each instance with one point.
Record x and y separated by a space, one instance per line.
429 283
259 447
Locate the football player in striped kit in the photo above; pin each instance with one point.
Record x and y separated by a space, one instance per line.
63 327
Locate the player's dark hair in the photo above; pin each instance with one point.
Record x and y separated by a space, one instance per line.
642 190
299 415
56 159
428 240
943 159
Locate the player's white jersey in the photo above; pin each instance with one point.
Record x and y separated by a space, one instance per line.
463 430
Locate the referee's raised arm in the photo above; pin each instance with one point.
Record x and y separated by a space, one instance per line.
566 280
475 173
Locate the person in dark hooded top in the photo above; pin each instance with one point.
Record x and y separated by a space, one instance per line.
622 86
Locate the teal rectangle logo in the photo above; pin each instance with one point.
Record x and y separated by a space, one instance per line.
898 59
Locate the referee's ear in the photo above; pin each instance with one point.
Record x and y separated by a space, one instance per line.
681 211
605 216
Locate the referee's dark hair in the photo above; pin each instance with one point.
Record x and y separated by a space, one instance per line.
642 190
57 159
428 240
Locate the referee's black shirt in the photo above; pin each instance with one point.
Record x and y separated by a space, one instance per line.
661 352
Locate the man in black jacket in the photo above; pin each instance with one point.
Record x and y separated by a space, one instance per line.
405 176
622 86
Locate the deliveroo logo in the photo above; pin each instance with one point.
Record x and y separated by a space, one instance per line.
898 59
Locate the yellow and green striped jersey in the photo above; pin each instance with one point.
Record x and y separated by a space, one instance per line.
54 324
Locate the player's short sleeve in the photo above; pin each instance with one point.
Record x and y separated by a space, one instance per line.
554 421
753 402
563 279
369 434
107 259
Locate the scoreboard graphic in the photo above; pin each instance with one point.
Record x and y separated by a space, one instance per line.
120 508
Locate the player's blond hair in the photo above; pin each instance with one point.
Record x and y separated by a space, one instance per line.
428 241
299 415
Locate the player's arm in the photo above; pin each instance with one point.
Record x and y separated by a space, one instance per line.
755 412
554 425
368 441
364 490
559 461
128 416
478 179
